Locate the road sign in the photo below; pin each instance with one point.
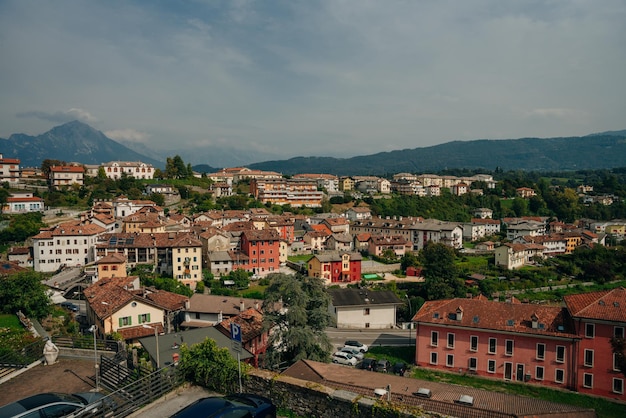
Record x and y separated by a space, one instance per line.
235 332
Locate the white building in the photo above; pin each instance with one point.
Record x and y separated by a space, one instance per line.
9 170
359 308
66 175
22 203
136 169
68 244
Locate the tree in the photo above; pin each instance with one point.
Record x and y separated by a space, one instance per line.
296 309
440 272
210 366
175 168
24 292
409 259
240 277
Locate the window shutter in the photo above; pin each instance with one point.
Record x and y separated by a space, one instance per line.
148 317
130 320
139 319
120 322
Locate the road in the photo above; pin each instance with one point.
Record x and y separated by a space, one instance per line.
372 337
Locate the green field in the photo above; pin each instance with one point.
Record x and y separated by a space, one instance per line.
10 321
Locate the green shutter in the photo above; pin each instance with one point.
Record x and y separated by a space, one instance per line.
120 322
148 318
130 320
139 319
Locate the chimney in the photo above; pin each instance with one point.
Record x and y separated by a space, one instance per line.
256 305
242 306
187 305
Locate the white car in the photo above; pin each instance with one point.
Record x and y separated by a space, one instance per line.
355 352
341 357
355 344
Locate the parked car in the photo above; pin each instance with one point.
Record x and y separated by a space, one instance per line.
53 405
399 368
359 346
341 357
383 366
70 306
241 405
367 364
355 352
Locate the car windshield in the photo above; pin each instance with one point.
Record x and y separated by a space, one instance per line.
238 400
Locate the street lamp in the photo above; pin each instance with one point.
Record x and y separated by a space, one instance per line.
410 319
156 335
93 329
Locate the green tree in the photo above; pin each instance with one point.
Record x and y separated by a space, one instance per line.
241 278
4 195
440 273
175 168
296 309
207 365
409 259
24 292
157 198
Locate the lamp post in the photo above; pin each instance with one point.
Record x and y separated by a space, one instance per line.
410 319
156 336
93 329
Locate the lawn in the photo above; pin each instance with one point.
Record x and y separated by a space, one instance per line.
10 321
603 407
302 257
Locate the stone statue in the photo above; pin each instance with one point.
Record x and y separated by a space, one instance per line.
50 352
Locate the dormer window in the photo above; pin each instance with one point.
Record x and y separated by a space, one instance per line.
459 313
535 321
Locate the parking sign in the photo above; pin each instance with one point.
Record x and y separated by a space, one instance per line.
235 332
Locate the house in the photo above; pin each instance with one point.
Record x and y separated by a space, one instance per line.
520 227
11 267
510 341
408 187
483 213
122 206
340 242
262 250
358 213
525 192
209 310
9 170
67 244
221 262
281 191
21 255
111 265
316 240
327 182
121 305
598 317
221 189
337 225
143 222
473 232
254 337
459 189
485 246
165 189
490 226
564 347
513 256
358 308
104 221
22 203
346 184
378 244
67 175
136 169
335 267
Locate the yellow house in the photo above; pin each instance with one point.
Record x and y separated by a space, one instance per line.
112 265
187 261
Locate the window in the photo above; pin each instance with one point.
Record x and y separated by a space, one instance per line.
618 385
367 325
590 330
618 332
589 358
615 364
492 345
541 351
539 372
143 318
474 343
434 338
366 311
450 340
587 380
473 362
450 360
559 376
508 347
491 366
433 358
125 321
560 353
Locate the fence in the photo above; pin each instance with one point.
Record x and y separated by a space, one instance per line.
12 360
86 342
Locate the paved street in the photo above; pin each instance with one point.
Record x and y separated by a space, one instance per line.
372 337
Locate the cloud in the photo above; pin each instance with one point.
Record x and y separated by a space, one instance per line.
556 113
60 116
131 135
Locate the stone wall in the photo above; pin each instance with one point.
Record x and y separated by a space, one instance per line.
309 399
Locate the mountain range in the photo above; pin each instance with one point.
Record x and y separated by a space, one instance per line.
76 141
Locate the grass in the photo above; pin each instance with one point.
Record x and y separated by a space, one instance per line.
302 257
603 407
473 263
10 321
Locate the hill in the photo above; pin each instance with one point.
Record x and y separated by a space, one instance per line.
72 141
592 152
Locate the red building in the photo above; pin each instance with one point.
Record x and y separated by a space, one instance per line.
566 347
336 267
598 317
254 337
262 248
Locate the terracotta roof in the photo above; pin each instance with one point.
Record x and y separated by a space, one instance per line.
331 256
608 305
321 228
105 219
112 258
145 240
363 236
73 228
107 296
388 240
167 300
132 333
262 235
239 226
336 221
19 251
250 321
24 199
11 267
67 169
501 316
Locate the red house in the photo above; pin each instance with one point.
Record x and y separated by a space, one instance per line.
262 249
598 317
253 337
567 347
336 267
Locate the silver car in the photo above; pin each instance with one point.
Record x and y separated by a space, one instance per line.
344 358
354 351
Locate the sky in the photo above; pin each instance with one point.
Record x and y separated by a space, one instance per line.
313 77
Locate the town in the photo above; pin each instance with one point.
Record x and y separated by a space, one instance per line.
151 262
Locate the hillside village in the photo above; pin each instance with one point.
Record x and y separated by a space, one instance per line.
94 253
